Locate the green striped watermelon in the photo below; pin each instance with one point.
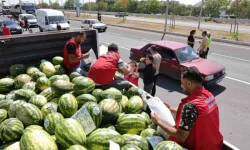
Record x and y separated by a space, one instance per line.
99 139
69 132
47 93
137 140
77 147
82 99
97 93
61 87
74 75
30 85
134 105
30 70
37 75
112 93
37 139
47 68
68 105
149 132
6 85
55 100
49 108
60 70
33 127
51 120
3 115
17 69
124 101
133 91
21 79
168 145
38 100
11 130
54 78
147 118
4 104
11 95
84 86
131 124
12 110
95 112
110 110
130 147
109 126
77 79
42 83
11 146
58 60
29 114
25 94
2 97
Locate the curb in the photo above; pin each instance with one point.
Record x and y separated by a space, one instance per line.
179 34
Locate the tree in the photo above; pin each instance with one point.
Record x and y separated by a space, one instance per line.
213 8
117 6
153 6
43 5
132 6
241 10
141 8
102 6
124 4
196 11
90 6
55 5
69 4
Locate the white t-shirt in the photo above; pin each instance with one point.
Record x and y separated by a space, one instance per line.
157 62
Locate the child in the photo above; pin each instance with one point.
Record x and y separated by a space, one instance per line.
133 76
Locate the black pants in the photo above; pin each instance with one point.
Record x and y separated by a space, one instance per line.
207 52
202 54
154 87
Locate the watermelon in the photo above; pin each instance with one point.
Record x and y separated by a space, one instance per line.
30 70
95 112
73 75
29 114
61 87
130 147
110 110
133 91
4 104
38 100
77 79
47 68
134 105
99 139
12 111
37 75
168 145
68 105
33 127
21 79
24 94
47 93
37 139
11 146
147 118
17 69
3 115
11 130
30 85
55 100
11 95
137 140
109 126
149 132
60 70
131 124
82 99
97 93
2 96
84 86
58 60
77 147
69 132
124 101
112 93
49 108
6 85
42 83
54 78
51 120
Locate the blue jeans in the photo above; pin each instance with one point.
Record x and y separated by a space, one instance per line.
80 68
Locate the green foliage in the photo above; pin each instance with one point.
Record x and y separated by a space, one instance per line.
69 4
55 5
240 9
43 5
102 6
213 8
91 6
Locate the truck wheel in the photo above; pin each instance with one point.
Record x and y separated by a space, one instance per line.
40 29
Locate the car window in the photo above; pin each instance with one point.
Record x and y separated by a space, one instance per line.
85 22
167 54
88 22
186 54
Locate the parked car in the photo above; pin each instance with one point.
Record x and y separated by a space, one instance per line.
177 56
121 14
14 27
96 24
31 19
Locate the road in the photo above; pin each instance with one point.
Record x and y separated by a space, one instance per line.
232 93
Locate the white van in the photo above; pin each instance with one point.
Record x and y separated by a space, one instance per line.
31 19
47 19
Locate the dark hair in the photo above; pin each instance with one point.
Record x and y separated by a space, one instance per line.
133 62
192 32
204 32
81 33
153 48
192 73
150 57
113 47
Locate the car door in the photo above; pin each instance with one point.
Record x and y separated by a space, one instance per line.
85 24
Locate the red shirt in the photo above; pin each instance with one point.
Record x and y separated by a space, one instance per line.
131 79
6 31
104 69
205 134
78 53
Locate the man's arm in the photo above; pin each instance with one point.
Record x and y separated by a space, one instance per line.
71 51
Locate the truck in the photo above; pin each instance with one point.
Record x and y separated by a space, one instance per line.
32 48
5 8
23 8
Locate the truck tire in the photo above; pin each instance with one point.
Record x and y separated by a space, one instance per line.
41 30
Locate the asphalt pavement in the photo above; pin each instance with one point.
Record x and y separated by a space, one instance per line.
232 94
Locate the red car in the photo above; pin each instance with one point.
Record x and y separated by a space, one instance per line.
177 56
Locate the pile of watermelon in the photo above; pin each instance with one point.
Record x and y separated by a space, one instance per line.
37 105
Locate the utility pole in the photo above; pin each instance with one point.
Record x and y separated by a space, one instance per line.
236 15
166 21
200 14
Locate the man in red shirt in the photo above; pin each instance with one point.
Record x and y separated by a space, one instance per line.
104 68
197 117
73 57
6 30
